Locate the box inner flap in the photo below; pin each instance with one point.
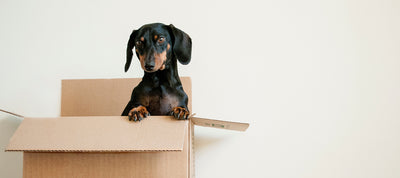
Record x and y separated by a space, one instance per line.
14 114
99 134
102 97
238 126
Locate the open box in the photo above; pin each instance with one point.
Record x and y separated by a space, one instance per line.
90 139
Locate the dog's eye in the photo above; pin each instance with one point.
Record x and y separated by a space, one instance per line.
161 40
138 43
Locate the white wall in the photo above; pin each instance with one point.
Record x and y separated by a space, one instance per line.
319 81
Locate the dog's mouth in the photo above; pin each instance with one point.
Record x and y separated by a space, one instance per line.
149 70
157 63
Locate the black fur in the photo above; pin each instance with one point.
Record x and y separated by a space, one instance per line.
160 92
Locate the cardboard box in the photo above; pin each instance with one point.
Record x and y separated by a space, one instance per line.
92 140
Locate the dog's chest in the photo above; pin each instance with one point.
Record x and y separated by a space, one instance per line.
162 100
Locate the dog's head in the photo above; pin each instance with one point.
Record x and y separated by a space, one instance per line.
156 44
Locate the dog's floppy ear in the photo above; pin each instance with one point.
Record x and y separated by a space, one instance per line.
182 44
129 48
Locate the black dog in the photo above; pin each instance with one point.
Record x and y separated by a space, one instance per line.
160 92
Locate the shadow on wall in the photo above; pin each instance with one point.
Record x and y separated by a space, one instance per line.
204 142
10 162
207 138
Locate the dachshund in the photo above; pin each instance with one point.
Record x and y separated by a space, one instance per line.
160 92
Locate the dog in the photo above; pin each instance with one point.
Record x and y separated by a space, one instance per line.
160 92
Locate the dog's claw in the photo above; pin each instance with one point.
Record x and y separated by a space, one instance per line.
180 113
138 113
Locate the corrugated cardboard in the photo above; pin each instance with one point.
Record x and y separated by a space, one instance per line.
91 140
99 134
101 147
102 97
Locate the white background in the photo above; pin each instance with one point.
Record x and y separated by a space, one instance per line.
318 81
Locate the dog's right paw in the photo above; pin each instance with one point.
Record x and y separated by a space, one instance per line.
138 113
180 113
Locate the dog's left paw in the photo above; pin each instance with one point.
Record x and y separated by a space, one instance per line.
138 113
180 113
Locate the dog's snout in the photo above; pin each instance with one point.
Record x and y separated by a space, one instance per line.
149 67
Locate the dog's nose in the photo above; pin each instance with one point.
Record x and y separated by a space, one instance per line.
149 67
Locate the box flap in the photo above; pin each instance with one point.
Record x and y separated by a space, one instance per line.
102 97
99 134
220 124
16 115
